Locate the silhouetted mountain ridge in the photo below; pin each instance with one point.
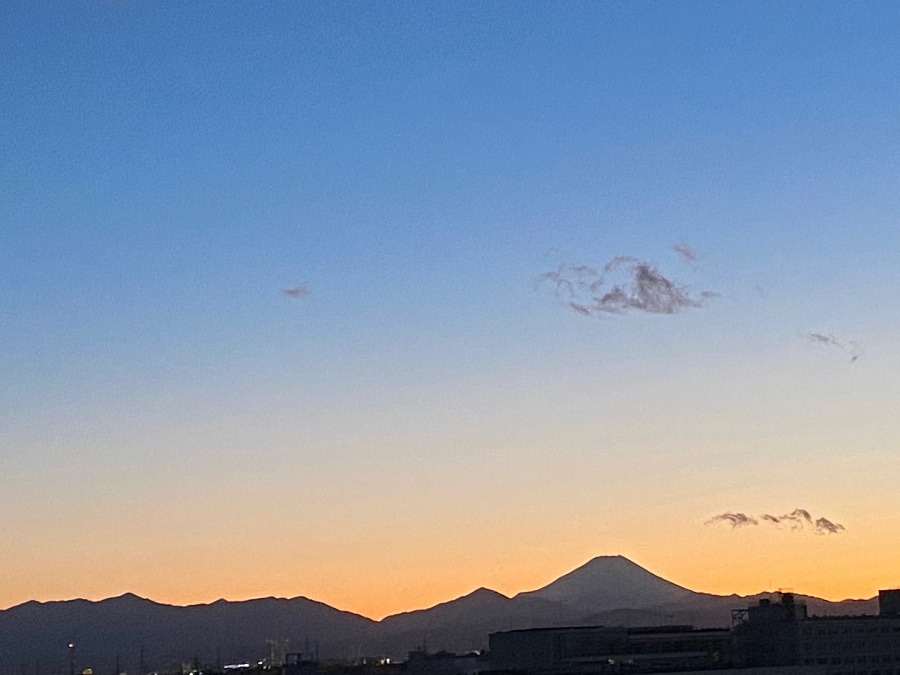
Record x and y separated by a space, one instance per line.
608 590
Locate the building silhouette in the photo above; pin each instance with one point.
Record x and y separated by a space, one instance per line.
586 650
780 633
774 636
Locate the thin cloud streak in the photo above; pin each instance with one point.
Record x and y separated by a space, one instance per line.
734 519
296 292
685 252
851 347
798 519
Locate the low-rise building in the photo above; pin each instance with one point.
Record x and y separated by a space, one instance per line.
599 649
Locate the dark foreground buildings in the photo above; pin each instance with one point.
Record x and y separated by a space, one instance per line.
775 636
597 649
781 633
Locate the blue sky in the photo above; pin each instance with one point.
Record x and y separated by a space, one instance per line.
167 168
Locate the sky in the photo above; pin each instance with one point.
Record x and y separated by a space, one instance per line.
286 297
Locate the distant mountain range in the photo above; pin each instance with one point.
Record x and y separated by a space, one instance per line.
608 590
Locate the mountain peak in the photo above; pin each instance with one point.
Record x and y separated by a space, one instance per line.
484 592
614 562
480 597
610 582
128 597
610 560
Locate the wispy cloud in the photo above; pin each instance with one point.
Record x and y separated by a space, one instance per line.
798 519
685 252
825 526
795 518
623 284
733 519
850 347
297 291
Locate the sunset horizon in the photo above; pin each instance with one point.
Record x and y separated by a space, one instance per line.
414 605
380 303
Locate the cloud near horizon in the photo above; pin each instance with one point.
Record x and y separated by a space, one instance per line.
851 347
623 284
733 519
798 519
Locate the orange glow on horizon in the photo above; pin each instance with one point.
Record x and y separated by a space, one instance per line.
408 590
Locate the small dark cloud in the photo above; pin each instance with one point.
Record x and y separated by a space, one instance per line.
623 284
825 526
296 292
685 252
798 519
818 338
850 347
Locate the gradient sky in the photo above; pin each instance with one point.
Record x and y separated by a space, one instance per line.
427 420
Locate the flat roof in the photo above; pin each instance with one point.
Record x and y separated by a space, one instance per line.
633 630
